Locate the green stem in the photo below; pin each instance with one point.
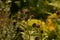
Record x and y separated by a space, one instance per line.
29 36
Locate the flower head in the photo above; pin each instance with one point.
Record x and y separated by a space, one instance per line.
34 25
19 19
37 38
41 31
14 23
26 18
26 11
32 16
58 16
58 12
38 25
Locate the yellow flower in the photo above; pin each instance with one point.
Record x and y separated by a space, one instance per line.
32 21
44 26
51 28
50 23
23 22
52 16
42 23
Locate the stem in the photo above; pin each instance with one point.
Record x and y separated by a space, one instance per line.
29 36
41 36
